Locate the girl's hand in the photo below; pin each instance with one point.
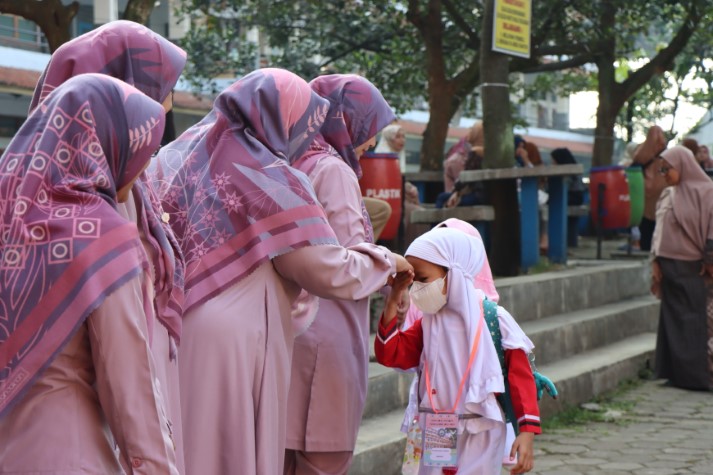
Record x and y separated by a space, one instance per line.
399 286
523 447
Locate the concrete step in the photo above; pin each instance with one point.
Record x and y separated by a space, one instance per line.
388 390
588 284
380 446
579 378
586 375
561 336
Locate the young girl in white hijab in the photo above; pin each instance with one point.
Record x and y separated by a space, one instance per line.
457 360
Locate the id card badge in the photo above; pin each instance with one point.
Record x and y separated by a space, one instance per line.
440 440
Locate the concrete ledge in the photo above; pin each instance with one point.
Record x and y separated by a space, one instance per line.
388 390
582 377
561 336
469 176
465 213
380 446
532 297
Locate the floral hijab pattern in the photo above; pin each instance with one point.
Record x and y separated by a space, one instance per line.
63 246
136 55
233 197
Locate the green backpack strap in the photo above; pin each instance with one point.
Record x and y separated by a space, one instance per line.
490 309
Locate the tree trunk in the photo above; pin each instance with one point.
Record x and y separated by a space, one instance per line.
606 118
607 110
53 17
499 152
440 103
138 11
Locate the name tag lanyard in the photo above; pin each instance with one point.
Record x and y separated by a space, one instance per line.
473 351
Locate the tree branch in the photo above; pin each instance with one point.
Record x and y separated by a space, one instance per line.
462 24
665 58
52 16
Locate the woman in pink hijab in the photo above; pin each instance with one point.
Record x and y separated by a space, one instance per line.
328 385
683 272
136 55
253 234
74 343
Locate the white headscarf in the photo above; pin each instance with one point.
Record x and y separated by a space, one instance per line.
448 335
384 146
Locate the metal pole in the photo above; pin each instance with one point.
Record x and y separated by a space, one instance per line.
601 187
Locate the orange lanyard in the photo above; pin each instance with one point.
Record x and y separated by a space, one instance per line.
473 351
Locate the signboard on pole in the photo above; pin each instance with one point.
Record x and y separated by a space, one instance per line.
511 27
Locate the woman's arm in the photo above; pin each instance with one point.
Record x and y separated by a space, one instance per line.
126 383
335 272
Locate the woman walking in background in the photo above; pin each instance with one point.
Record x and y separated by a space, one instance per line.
682 272
73 308
253 234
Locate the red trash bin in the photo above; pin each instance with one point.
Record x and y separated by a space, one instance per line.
381 178
615 202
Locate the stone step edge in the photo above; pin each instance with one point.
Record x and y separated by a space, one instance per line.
553 321
381 443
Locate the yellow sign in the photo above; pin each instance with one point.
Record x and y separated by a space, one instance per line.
511 27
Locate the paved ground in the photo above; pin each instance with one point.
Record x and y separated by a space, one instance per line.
662 431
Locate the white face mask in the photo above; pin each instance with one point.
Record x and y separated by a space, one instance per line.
428 296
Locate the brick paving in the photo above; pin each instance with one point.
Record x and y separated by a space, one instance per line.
667 431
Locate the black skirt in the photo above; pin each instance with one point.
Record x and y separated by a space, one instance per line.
681 345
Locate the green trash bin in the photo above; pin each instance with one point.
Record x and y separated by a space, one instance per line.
635 178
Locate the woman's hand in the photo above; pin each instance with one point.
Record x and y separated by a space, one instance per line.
402 264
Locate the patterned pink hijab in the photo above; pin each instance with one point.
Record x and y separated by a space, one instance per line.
693 200
235 202
121 49
63 246
357 112
136 55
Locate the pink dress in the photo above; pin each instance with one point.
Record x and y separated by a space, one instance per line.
236 353
163 347
329 367
99 392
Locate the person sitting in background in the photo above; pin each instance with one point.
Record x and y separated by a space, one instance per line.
393 140
575 187
691 144
521 154
704 157
458 156
533 154
465 194
456 193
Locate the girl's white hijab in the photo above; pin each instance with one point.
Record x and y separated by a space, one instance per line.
448 334
388 134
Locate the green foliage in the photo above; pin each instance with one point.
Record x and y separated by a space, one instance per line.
382 40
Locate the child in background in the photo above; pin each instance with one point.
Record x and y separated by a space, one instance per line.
458 393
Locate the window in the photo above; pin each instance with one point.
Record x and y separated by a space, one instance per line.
17 31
